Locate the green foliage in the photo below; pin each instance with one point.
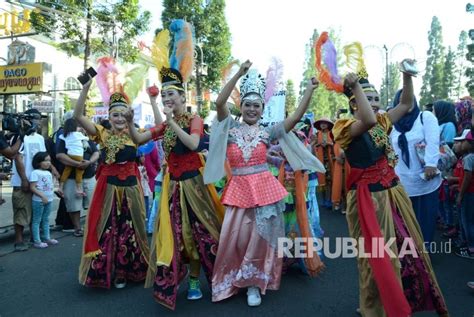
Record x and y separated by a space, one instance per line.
205 109
114 26
290 101
67 103
386 95
449 78
324 103
211 29
459 76
433 87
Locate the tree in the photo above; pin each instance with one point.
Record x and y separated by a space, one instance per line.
432 88
460 64
71 22
394 85
211 30
290 101
449 76
324 103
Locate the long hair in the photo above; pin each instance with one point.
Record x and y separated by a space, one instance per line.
70 125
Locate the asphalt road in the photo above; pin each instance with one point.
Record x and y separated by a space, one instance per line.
44 283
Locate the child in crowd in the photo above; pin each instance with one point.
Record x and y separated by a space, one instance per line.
42 187
145 185
465 198
75 150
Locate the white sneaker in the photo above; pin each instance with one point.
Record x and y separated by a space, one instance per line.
253 296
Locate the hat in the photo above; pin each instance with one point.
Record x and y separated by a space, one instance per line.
466 135
317 123
171 79
118 99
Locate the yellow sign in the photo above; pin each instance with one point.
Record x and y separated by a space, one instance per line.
17 79
13 23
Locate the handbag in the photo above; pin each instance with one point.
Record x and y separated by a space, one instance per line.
447 158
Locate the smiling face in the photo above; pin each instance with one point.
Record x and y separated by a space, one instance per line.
173 99
374 100
117 119
252 109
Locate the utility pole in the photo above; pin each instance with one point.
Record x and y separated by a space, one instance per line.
386 76
87 48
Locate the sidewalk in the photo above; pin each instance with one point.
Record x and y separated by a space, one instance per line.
6 220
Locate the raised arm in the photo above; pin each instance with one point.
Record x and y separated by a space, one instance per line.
137 137
366 117
191 141
293 119
79 110
407 97
221 101
156 111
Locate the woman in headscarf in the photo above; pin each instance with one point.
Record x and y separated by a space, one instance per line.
379 211
444 112
421 181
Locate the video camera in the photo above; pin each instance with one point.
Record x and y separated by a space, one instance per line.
20 123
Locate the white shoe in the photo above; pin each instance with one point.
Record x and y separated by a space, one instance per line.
253 296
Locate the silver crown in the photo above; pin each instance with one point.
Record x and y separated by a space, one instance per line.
252 83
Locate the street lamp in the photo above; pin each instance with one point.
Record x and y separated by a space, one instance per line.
201 69
388 57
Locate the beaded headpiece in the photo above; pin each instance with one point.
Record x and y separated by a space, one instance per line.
118 99
171 79
252 83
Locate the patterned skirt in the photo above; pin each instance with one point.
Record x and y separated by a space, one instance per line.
397 220
195 229
122 240
244 258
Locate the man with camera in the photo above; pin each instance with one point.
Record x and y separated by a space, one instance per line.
33 142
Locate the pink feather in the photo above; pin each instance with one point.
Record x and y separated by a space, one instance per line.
274 77
106 78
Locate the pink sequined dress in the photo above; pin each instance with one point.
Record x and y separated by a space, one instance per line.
247 253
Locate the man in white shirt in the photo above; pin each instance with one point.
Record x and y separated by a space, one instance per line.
22 168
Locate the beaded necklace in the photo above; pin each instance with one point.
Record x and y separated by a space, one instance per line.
169 138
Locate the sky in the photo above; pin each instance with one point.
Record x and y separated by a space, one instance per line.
262 29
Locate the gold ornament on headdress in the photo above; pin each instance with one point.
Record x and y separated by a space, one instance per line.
118 99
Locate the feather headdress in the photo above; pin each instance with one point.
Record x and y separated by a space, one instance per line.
182 57
107 78
274 77
160 50
326 62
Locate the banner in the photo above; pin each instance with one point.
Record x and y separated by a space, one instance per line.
274 111
20 79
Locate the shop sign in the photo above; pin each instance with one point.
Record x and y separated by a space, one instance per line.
18 79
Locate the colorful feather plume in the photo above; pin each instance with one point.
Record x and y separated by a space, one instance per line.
355 59
160 50
325 51
182 57
226 74
107 78
134 81
274 77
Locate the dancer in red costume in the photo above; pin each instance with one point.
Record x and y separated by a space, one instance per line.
379 208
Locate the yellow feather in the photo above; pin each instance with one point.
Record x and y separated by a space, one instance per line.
160 50
355 58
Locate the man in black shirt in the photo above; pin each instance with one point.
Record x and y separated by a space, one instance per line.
75 204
